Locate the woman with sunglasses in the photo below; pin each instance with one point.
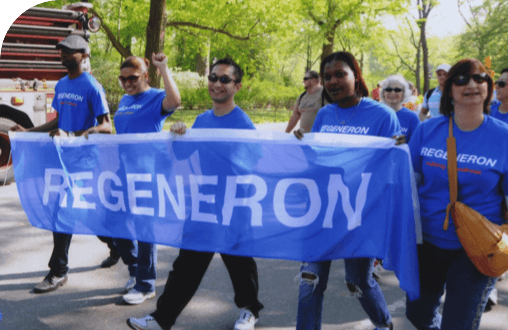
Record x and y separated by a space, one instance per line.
482 163
351 109
143 109
395 91
499 109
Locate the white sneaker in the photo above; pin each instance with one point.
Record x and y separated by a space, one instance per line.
146 323
246 320
134 297
130 284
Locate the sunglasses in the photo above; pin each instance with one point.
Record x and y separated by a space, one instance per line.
501 83
223 80
462 80
307 78
131 79
396 90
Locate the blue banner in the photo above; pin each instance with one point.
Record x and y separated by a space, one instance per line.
241 192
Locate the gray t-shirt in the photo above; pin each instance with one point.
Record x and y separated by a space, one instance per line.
308 106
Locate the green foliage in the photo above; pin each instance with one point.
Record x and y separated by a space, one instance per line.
487 34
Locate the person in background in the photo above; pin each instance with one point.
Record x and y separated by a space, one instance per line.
190 266
394 91
82 109
499 108
143 109
308 103
375 93
344 83
482 170
431 99
414 102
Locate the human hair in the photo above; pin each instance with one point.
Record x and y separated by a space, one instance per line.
406 90
504 70
463 67
135 63
348 58
237 71
313 74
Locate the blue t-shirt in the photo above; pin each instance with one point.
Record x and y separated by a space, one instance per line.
236 119
79 102
494 112
370 118
408 122
482 163
433 103
141 113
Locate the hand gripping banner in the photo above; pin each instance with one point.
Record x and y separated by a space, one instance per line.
241 192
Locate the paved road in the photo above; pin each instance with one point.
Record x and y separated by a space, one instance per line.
92 297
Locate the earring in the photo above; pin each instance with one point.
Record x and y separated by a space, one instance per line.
453 102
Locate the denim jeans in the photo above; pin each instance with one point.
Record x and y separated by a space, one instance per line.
360 283
141 259
467 291
188 271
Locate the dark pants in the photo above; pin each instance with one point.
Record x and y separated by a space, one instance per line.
60 256
188 271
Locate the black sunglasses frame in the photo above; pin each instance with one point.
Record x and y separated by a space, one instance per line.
463 80
396 90
131 79
223 80
501 83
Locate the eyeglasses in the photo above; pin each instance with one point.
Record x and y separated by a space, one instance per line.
501 83
223 80
462 80
396 90
131 79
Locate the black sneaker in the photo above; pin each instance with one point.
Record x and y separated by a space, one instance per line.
50 283
109 261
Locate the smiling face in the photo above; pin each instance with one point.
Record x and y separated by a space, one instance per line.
339 81
473 93
392 97
219 92
133 80
502 92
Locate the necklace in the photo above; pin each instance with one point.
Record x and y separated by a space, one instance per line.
344 122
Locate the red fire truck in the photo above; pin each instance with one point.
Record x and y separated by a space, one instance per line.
30 66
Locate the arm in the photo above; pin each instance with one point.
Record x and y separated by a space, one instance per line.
172 99
50 126
104 127
295 117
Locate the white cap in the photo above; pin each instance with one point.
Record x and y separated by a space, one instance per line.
445 67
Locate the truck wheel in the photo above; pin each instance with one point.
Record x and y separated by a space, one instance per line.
6 170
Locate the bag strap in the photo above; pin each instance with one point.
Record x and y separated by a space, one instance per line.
451 147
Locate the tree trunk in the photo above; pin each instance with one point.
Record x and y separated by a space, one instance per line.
418 68
203 59
328 45
425 50
155 31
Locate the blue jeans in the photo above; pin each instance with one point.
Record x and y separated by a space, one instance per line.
467 291
141 258
314 279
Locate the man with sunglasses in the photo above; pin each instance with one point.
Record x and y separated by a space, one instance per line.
82 109
431 99
190 266
308 103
